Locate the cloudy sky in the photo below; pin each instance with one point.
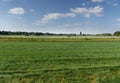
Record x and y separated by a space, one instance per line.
60 16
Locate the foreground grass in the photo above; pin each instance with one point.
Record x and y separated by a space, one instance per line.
59 62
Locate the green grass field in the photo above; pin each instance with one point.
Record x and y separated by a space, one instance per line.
45 61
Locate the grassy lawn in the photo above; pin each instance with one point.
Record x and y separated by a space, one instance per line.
59 62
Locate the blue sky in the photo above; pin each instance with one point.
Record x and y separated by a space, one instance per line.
60 16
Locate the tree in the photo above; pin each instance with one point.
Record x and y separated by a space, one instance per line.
117 33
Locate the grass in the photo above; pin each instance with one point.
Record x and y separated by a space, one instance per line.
61 38
59 62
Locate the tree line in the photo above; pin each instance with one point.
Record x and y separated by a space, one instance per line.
117 33
32 33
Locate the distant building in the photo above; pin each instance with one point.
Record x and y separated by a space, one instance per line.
81 33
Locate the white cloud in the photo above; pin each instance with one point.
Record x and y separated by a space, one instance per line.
16 11
87 12
118 25
53 16
112 2
72 25
115 4
118 19
87 15
79 10
97 0
96 11
83 4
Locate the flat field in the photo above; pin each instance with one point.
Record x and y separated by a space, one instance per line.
39 61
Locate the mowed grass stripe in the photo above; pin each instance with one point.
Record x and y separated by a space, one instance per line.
57 50
59 39
60 54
